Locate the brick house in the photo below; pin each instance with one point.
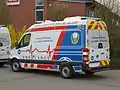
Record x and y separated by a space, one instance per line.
28 12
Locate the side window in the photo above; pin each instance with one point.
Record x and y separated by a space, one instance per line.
25 40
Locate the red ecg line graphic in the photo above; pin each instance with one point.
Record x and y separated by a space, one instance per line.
48 51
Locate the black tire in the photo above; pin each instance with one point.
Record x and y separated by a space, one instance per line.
2 64
15 65
66 70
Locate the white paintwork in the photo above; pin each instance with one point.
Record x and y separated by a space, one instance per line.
6 43
39 40
94 64
96 37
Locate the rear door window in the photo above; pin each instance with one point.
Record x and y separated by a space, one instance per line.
96 37
93 38
104 39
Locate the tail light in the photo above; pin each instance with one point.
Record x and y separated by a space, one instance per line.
85 50
85 55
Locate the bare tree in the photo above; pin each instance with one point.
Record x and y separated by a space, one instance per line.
109 11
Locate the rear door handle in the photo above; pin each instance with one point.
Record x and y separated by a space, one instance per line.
102 53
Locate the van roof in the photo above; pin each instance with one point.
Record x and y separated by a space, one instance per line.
4 30
78 18
67 21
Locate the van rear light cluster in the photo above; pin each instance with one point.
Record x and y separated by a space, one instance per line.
85 55
86 50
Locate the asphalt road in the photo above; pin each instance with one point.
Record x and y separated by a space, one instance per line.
42 80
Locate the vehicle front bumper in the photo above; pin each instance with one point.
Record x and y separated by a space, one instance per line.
4 60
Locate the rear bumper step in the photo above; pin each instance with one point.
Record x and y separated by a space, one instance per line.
100 69
96 69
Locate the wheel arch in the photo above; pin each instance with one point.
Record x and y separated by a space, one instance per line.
14 58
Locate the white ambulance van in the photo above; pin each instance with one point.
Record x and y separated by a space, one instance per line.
74 45
5 45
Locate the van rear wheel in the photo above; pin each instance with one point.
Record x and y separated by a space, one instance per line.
66 70
16 66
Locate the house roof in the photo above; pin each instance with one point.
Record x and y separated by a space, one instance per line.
80 1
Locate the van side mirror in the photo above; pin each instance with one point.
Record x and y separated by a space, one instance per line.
1 44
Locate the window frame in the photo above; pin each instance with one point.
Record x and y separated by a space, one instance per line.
22 40
39 10
39 5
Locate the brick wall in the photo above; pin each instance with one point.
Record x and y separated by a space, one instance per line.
4 13
23 14
71 9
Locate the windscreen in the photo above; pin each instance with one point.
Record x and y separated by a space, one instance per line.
4 38
96 37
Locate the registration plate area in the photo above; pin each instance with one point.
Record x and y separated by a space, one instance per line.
96 64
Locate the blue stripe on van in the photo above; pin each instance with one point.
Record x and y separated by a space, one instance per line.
56 67
72 27
77 68
67 44
84 36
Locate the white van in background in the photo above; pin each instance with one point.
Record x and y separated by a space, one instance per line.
5 45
